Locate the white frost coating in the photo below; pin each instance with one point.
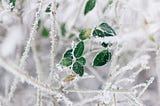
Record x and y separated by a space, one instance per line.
125 80
27 48
9 66
107 39
118 83
31 37
53 35
38 71
136 101
139 86
88 100
147 85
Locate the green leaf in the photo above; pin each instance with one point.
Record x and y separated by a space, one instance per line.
13 3
104 31
89 6
67 58
63 29
79 49
98 33
106 44
81 60
85 33
78 68
68 54
66 61
102 58
45 32
48 9
39 24
108 34
107 29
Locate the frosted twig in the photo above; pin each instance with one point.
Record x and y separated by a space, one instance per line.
88 100
138 86
79 94
38 70
27 49
135 100
124 80
137 72
13 88
96 91
53 35
10 67
19 73
129 66
37 62
79 79
32 35
39 98
115 101
106 39
147 85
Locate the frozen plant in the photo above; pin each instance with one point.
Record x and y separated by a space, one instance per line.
79 52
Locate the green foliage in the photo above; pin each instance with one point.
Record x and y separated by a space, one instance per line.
78 65
45 32
102 58
105 45
81 60
39 24
104 30
78 68
66 61
67 58
48 9
13 3
79 49
98 33
63 29
68 54
85 33
89 6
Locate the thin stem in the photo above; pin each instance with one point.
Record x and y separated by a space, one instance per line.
27 49
53 35
38 70
96 91
145 88
19 73
88 100
115 101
